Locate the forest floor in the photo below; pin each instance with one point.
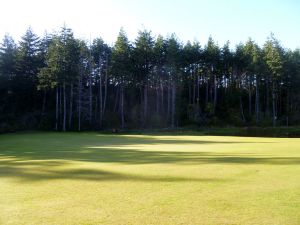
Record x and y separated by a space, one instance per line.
92 178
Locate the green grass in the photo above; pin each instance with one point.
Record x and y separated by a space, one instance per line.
90 178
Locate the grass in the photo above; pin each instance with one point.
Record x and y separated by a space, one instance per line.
90 178
291 131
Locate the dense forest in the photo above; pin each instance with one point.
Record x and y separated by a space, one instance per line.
58 82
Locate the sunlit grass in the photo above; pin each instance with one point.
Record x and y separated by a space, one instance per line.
89 178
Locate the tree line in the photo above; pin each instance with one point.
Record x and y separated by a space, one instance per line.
63 83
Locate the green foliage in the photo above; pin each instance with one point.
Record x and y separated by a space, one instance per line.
211 53
151 82
144 55
173 53
62 61
8 53
273 57
28 56
121 60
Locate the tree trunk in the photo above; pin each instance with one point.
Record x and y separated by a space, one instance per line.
71 107
173 104
215 94
274 104
44 101
267 97
242 110
190 101
198 90
279 101
95 113
257 108
117 99
250 98
122 106
100 101
194 92
141 112
287 106
163 108
65 107
157 98
145 104
105 89
198 101
60 106
79 102
90 99
56 110
168 102
206 92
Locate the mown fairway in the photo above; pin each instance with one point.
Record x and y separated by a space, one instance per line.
89 178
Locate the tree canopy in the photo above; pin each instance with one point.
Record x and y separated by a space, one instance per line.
60 82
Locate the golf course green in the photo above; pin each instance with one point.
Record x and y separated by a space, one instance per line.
91 178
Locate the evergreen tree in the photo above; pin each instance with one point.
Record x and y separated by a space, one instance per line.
212 61
8 51
143 58
152 83
273 59
173 67
121 70
62 70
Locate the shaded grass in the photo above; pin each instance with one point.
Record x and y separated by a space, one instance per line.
287 132
90 178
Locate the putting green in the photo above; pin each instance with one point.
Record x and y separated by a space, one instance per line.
89 178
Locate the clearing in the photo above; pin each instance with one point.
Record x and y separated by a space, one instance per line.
91 178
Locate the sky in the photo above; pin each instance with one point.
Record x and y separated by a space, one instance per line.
194 20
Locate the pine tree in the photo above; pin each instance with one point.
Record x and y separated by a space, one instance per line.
121 70
273 59
143 58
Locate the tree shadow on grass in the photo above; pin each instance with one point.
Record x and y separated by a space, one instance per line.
42 174
122 149
38 157
137 156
